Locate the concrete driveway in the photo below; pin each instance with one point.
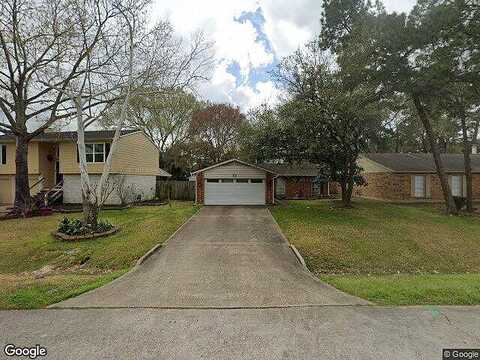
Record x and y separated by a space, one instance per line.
224 257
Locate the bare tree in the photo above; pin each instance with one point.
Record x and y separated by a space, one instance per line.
134 63
44 47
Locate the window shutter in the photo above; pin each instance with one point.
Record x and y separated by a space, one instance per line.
412 186
428 186
4 154
450 183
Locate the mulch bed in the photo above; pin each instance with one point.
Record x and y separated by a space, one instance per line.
66 237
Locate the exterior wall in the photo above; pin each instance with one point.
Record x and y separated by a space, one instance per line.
200 188
140 185
385 186
269 190
68 160
7 189
46 163
393 186
135 155
234 170
9 167
298 188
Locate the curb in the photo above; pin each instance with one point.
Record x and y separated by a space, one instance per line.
292 247
305 267
299 257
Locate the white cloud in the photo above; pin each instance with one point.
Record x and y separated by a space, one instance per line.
288 25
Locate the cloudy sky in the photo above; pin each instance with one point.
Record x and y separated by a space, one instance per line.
250 37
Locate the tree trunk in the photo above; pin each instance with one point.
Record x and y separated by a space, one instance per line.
449 203
467 150
22 185
347 191
90 213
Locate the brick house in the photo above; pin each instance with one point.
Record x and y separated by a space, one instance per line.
413 176
235 182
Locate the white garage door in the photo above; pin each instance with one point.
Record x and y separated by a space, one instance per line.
235 192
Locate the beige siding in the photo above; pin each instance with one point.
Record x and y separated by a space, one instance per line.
68 160
234 170
9 167
46 163
135 155
370 166
6 189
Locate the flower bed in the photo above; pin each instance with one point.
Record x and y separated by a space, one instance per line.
74 229
65 237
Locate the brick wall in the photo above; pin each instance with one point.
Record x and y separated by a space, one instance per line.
385 186
269 189
200 188
298 188
394 186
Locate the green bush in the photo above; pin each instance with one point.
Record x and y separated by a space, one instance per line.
75 227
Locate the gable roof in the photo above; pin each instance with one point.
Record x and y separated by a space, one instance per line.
422 162
72 135
230 161
294 170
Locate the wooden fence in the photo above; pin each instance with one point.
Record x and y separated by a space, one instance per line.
176 190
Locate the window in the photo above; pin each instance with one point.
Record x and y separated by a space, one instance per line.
3 154
457 185
227 181
242 181
96 152
213 180
280 187
256 181
419 184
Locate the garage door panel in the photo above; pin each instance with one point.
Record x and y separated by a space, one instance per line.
234 193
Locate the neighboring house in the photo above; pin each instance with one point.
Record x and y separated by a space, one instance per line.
413 176
53 163
235 182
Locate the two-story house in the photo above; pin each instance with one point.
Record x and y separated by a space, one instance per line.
53 164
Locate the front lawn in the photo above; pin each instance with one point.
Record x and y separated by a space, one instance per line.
358 250
37 270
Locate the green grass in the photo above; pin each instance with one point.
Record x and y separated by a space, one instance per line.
26 245
456 289
381 239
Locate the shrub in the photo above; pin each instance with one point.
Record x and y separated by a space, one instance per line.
75 227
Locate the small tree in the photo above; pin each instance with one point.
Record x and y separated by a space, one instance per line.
333 118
